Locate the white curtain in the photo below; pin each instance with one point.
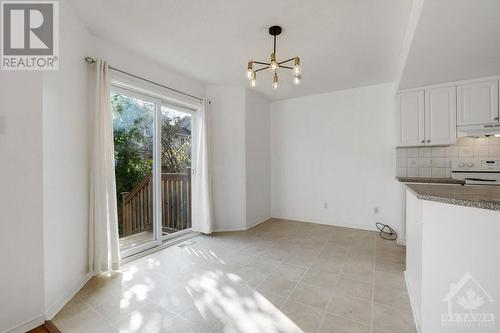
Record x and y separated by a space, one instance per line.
202 180
104 248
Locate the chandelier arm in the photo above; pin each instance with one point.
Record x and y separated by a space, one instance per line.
286 67
285 61
261 69
261 63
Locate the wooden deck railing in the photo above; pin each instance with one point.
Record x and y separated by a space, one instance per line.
136 213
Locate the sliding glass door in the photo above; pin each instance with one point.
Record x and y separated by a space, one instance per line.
176 158
152 142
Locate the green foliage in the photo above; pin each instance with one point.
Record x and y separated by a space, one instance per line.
133 141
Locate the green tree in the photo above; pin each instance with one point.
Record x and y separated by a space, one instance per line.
133 141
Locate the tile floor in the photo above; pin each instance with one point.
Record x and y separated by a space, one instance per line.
280 276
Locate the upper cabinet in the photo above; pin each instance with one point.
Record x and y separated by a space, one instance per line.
441 116
411 118
428 117
477 103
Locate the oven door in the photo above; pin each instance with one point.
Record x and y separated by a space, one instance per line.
478 178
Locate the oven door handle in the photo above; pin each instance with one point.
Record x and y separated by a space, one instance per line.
480 180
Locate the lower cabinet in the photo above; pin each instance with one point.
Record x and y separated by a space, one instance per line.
452 266
414 253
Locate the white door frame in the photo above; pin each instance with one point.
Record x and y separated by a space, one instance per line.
158 237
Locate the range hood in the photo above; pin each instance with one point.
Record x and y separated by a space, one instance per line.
478 130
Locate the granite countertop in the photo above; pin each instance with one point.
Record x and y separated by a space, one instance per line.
430 180
486 197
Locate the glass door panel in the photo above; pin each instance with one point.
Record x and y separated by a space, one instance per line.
133 130
176 148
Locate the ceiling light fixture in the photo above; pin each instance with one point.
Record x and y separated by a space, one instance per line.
274 65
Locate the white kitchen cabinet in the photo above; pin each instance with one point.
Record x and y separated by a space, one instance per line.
428 117
477 103
441 116
411 119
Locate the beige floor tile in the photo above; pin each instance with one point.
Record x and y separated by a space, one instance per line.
202 315
351 308
390 279
276 285
320 279
290 272
354 288
299 260
389 267
252 276
306 317
358 272
335 324
392 297
80 318
311 295
332 265
146 319
392 319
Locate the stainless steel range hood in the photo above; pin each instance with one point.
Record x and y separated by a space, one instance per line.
478 130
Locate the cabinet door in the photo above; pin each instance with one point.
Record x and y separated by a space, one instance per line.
441 116
411 119
477 103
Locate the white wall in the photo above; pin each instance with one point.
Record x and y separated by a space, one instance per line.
336 148
65 166
227 136
21 238
129 61
258 162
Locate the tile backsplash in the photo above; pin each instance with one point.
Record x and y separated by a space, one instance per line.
436 162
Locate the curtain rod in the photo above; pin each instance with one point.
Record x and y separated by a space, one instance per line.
91 60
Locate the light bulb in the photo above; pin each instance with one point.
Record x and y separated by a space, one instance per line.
250 70
296 67
253 79
274 65
275 81
296 80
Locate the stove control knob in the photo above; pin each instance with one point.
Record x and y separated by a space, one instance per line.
461 164
470 164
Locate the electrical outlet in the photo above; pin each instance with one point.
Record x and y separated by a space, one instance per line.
376 210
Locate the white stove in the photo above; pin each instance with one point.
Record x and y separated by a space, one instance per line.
477 171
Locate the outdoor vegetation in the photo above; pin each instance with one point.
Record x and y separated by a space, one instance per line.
133 141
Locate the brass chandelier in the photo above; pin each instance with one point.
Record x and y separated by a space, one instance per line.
274 65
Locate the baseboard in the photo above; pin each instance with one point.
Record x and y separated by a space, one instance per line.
412 303
343 225
26 326
258 222
227 229
61 302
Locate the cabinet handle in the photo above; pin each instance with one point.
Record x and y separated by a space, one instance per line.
428 141
423 141
496 118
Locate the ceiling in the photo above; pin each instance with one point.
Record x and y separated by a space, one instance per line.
342 43
454 40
